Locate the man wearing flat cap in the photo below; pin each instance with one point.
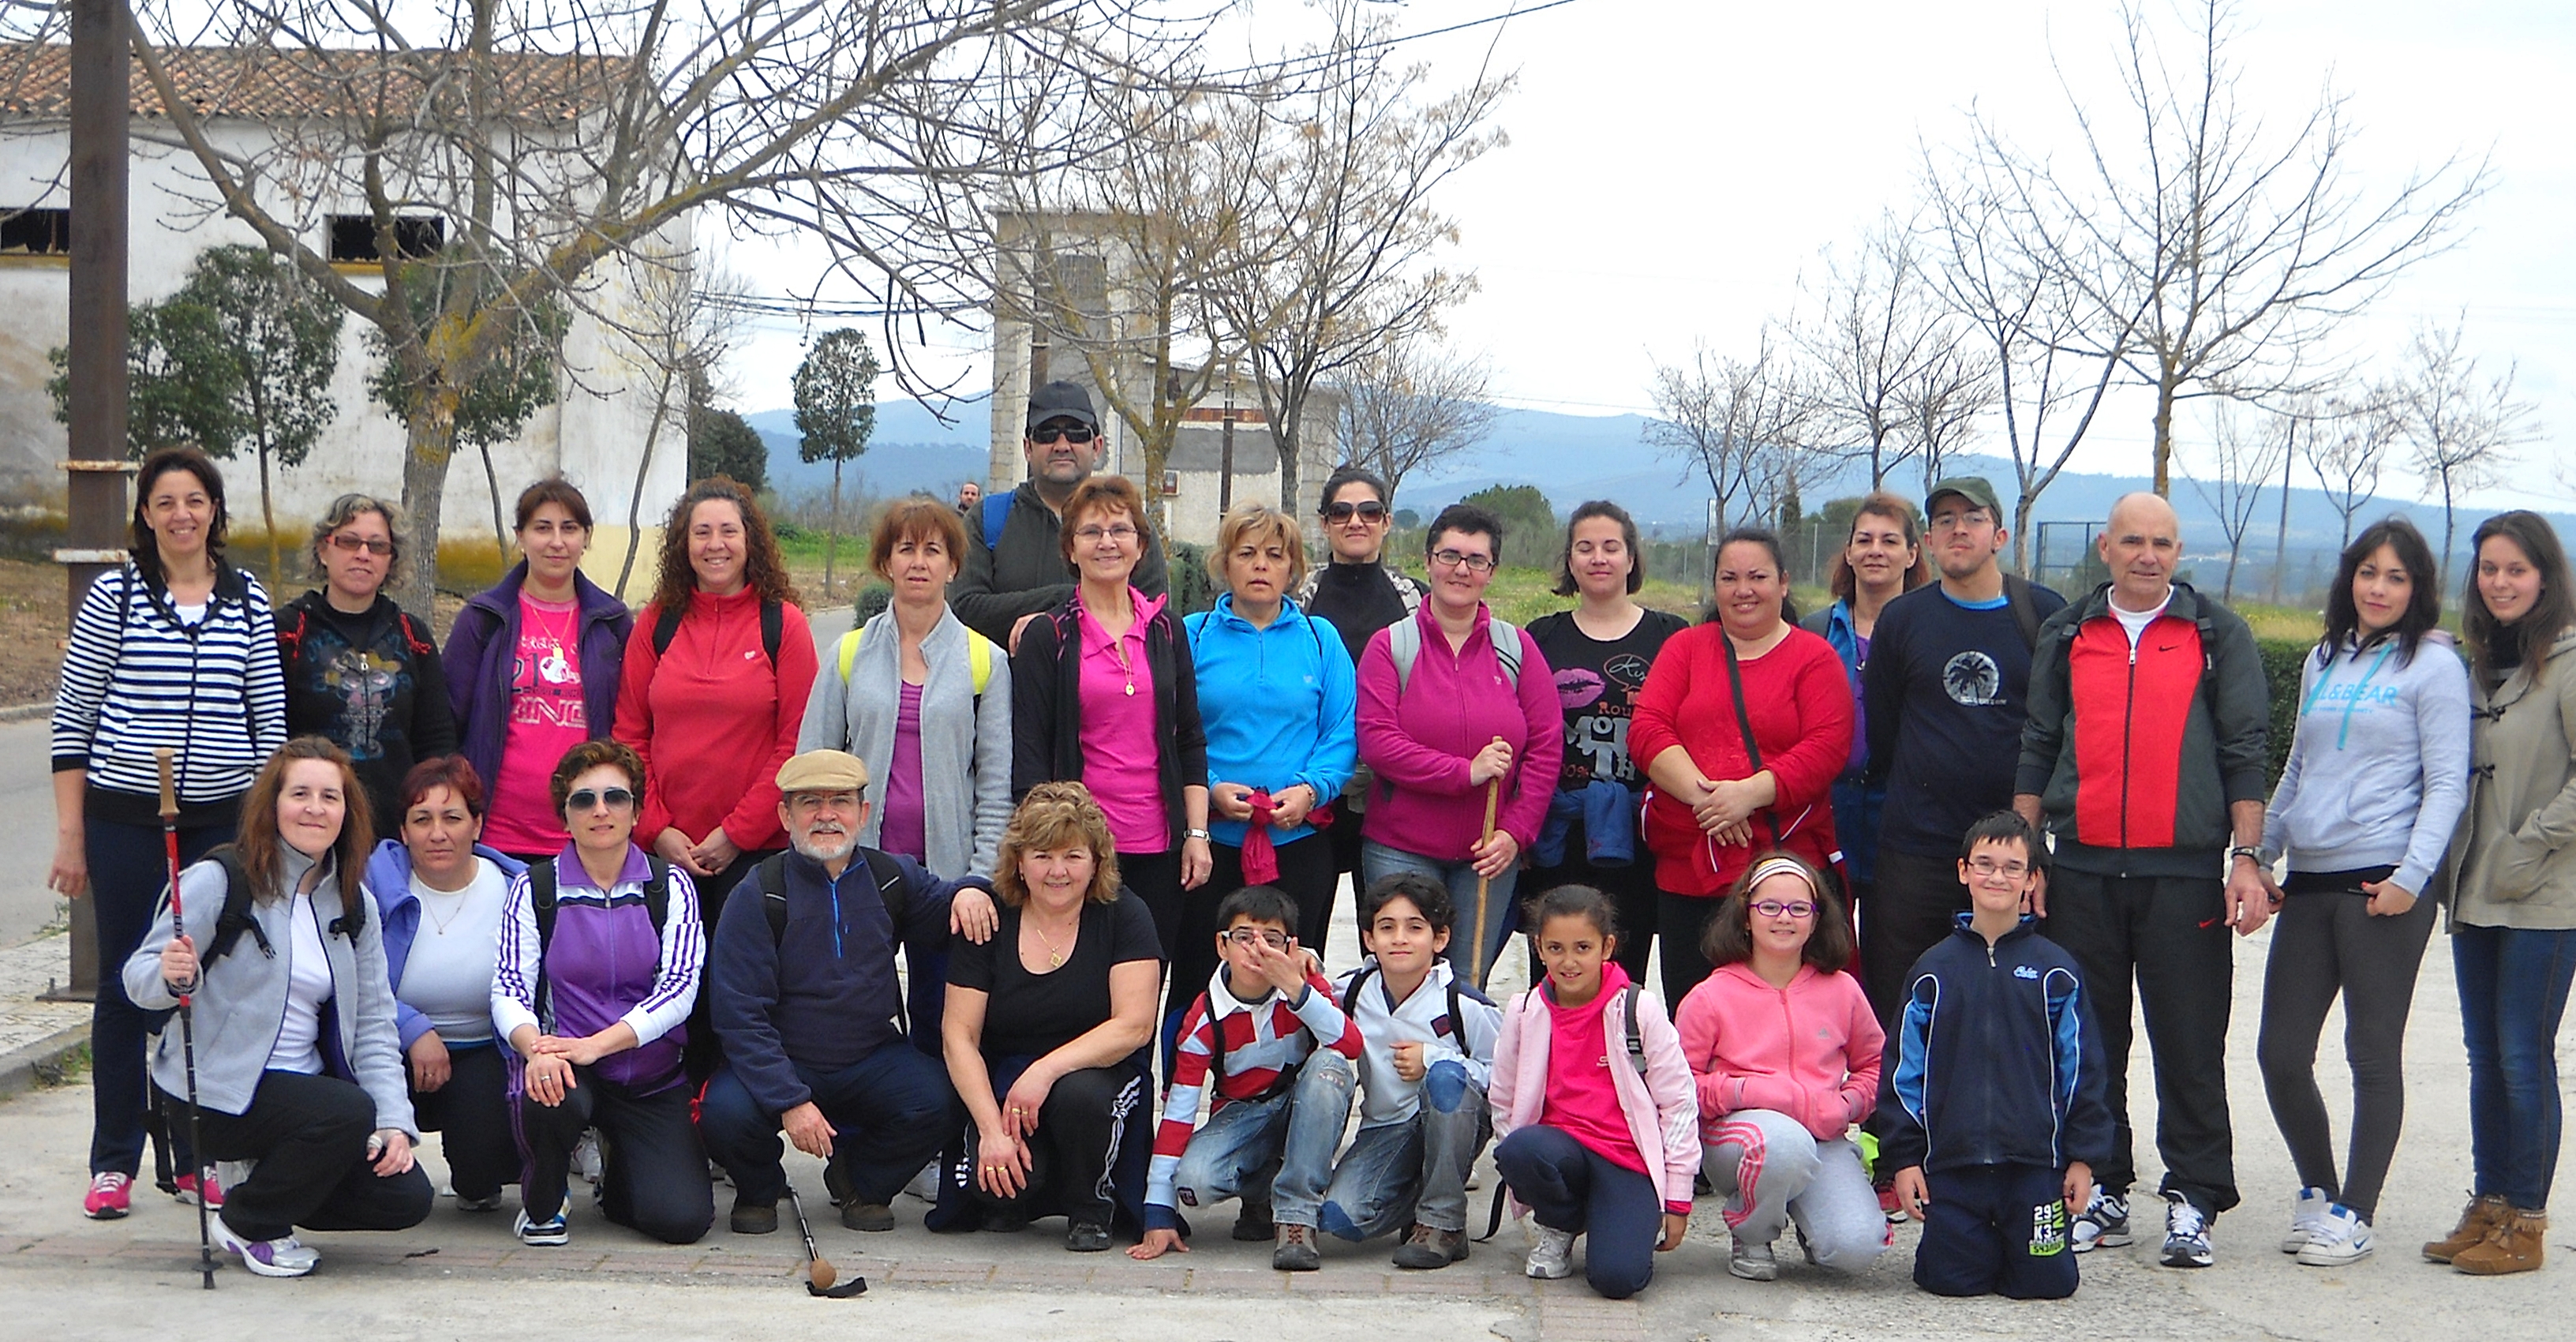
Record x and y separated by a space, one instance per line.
806 1003
1014 566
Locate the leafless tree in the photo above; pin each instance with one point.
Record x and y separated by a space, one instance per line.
1876 346
1411 404
2460 426
686 324
1743 425
2351 445
1946 400
2240 243
562 143
1342 172
2242 459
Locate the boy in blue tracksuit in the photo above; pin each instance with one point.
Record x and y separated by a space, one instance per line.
1992 1091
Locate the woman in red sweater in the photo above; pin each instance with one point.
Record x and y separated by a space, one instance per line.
712 695
1715 804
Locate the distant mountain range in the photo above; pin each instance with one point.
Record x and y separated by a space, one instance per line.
1571 458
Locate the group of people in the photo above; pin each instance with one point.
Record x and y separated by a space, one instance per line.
938 902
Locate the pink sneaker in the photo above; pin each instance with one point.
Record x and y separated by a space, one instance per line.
186 1192
111 1196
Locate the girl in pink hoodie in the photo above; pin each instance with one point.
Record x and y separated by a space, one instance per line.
1594 1126
1785 1052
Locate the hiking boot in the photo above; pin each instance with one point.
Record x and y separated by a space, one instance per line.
2341 1237
1425 1248
1753 1262
1551 1255
2512 1245
2484 1212
868 1216
1252 1223
2186 1234
1086 1237
754 1218
2307 1216
1296 1250
184 1189
2103 1224
111 1196
286 1257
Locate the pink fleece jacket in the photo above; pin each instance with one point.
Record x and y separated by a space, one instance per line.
1420 742
1811 1050
1662 1115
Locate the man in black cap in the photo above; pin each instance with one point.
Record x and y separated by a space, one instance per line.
1014 566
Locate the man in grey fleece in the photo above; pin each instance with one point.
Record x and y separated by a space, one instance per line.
1023 574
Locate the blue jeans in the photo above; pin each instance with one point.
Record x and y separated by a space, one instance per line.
128 872
1412 1172
2513 991
893 1109
1273 1153
1570 1187
1494 916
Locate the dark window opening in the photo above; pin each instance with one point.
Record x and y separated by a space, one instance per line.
416 237
36 232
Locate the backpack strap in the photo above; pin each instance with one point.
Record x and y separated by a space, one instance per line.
290 641
1404 643
2025 612
236 917
657 893
979 656
997 513
541 903
1506 638
773 896
773 628
352 919
666 626
1636 1035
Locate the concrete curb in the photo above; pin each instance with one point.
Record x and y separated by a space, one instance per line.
22 1068
26 712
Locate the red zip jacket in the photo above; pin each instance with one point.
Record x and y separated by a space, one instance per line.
712 720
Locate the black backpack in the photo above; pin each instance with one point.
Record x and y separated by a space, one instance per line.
891 890
541 901
236 917
773 627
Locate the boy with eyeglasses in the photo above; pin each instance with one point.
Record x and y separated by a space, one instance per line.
1014 567
1248 1037
1992 1089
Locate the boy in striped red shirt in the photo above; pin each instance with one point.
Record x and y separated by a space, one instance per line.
1247 1039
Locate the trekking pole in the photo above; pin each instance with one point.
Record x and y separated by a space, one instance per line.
187 1016
1493 799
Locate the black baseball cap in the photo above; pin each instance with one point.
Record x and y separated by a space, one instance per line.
1062 400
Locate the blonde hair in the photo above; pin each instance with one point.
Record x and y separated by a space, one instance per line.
1057 815
1246 520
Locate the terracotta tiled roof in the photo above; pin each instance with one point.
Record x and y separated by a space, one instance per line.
272 82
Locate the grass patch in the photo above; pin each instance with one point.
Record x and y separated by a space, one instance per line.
68 1070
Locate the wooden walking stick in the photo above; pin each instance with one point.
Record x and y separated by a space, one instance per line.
1493 799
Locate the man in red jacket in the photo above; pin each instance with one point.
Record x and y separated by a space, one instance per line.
2145 753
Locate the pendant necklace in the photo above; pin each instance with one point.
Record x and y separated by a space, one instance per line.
1055 955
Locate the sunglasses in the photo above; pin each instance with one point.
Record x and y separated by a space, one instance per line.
353 543
1045 435
1796 908
1369 511
618 799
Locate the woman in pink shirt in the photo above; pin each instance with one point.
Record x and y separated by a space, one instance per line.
1457 707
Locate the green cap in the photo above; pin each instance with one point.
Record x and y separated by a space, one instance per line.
1973 488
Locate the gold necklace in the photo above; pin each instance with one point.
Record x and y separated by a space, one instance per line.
1055 953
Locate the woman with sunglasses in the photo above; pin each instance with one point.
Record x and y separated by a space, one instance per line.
594 1001
1358 594
361 672
1458 719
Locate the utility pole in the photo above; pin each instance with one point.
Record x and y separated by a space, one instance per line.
1225 464
101 65
2281 535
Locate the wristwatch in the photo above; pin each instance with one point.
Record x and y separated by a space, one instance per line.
1189 834
2251 854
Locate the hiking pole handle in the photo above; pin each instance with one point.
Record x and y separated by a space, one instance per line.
168 760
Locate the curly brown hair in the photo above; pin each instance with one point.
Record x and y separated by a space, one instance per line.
764 572
1057 815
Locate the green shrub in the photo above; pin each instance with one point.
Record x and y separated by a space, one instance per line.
2281 659
1192 590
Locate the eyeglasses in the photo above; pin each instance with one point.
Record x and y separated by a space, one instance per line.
1095 535
1248 936
1461 559
1046 434
618 799
351 543
1986 869
1795 908
1973 518
1368 511
815 801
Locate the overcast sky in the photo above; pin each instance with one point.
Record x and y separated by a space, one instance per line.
1676 165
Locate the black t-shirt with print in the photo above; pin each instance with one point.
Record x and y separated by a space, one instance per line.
1947 692
1596 685
1031 1015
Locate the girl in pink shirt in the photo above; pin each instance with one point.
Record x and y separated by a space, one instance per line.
1784 1053
1597 1132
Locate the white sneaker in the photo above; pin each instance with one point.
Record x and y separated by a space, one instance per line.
585 1157
1752 1262
2342 1237
1551 1255
287 1257
2306 1211
925 1185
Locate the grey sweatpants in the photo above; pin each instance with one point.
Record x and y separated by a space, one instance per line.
1773 1171
2324 944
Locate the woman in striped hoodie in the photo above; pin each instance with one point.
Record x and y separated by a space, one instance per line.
174 649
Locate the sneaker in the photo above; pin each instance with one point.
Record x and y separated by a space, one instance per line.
1551 1255
751 1218
490 1204
585 1157
2103 1224
111 1196
1296 1250
924 1185
871 1217
1753 1262
1253 1225
184 1189
1425 1248
1890 1205
1086 1237
265 1257
549 1233
2307 1214
2186 1234
2342 1237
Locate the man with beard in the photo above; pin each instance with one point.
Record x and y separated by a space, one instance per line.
806 1003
